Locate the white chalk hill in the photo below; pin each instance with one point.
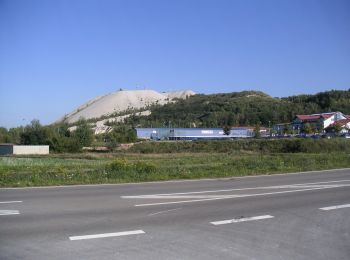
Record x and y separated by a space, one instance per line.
121 101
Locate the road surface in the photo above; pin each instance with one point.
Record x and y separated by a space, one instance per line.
292 216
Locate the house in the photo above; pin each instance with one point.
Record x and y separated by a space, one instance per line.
318 122
344 125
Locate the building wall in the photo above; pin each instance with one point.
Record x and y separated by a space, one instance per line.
329 121
345 129
192 133
6 149
24 149
30 149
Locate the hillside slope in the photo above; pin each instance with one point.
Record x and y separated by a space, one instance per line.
240 108
121 101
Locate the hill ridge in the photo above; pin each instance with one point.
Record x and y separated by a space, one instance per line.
121 101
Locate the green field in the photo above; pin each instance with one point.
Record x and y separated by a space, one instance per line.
69 169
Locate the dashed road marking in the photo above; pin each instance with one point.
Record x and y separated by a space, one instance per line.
336 207
164 211
12 201
9 212
116 234
237 220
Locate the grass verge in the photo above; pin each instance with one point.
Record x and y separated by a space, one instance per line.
121 168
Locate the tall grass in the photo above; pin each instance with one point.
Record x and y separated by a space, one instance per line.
120 168
292 145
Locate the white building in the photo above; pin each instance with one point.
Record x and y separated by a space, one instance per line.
318 121
343 123
8 149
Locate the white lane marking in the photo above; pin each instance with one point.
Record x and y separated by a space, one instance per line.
182 197
164 211
234 196
12 201
336 207
8 212
290 186
117 234
237 220
263 175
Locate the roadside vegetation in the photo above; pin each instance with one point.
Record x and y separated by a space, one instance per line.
61 139
217 110
154 161
282 145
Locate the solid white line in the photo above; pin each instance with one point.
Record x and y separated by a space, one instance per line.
164 211
178 197
288 186
117 234
262 175
8 212
237 220
13 201
233 197
336 207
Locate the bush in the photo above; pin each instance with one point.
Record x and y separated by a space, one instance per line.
118 165
145 167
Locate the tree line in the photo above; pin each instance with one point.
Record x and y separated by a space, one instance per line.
61 138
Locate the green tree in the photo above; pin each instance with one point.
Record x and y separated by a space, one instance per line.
14 135
131 135
227 130
34 134
313 128
3 135
319 128
83 134
257 133
120 134
337 128
61 139
287 129
307 129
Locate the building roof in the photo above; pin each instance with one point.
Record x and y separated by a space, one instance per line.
341 122
315 116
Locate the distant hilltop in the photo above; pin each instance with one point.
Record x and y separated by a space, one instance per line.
121 101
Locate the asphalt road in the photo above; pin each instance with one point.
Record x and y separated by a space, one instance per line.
294 216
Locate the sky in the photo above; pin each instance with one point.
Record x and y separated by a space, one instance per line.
56 55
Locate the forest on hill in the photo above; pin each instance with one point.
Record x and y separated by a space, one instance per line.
240 108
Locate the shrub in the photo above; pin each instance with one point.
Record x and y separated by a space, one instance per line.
145 167
118 165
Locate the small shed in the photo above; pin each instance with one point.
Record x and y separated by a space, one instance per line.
8 149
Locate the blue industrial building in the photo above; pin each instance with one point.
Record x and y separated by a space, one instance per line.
193 133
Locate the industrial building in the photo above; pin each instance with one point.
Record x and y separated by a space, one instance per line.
193 133
9 149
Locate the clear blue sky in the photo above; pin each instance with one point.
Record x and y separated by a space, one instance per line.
55 55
